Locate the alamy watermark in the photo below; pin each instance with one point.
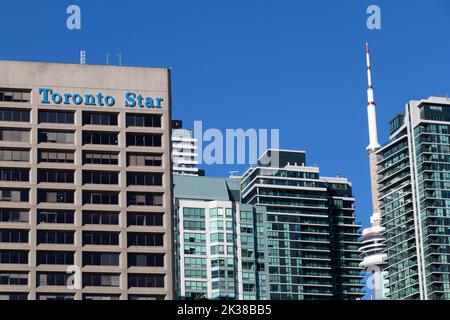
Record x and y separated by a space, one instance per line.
73 21
374 20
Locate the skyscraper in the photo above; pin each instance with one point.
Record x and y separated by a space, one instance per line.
220 243
184 150
414 199
86 182
311 229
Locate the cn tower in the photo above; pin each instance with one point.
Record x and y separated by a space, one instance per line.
372 240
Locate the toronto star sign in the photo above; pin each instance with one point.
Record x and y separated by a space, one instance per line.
132 99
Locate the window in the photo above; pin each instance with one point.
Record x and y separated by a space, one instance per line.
195 213
100 259
144 179
59 216
15 95
14 195
13 257
14 174
107 138
146 280
55 176
13 278
100 177
97 197
19 115
55 196
145 239
55 296
143 140
140 120
100 118
101 238
13 236
145 260
48 136
52 116
145 297
11 215
144 219
95 217
52 279
55 237
56 156
91 157
144 159
55 257
14 135
14 155
101 280
101 297
144 199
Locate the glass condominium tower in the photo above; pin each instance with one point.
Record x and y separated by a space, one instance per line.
414 197
220 243
312 235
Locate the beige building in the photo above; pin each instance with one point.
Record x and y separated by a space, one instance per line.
85 182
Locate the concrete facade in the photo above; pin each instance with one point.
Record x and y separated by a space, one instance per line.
88 198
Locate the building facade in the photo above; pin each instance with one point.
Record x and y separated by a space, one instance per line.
85 172
312 235
414 198
220 244
184 150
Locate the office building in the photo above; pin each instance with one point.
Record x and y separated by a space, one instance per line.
86 183
184 150
220 243
312 235
414 197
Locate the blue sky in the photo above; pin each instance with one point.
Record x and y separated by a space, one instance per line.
297 66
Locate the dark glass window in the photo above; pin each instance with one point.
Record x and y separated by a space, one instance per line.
145 260
91 157
14 174
101 238
100 177
14 195
145 239
141 120
52 116
55 296
144 179
55 257
55 237
13 236
143 139
144 159
13 278
52 278
100 118
49 136
100 259
13 256
12 215
57 216
98 197
146 281
55 196
15 95
107 138
143 199
101 280
145 219
56 156
14 155
19 115
15 135
55 176
95 217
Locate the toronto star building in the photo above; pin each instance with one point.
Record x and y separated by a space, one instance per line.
86 182
281 231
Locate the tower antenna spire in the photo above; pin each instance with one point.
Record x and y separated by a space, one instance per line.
371 111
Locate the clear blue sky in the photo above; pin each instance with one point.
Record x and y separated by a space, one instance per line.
294 65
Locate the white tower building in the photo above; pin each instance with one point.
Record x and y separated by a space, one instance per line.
184 152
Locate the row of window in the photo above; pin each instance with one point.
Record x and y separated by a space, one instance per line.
89 118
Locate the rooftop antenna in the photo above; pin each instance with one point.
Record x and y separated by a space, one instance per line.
107 58
82 57
120 59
